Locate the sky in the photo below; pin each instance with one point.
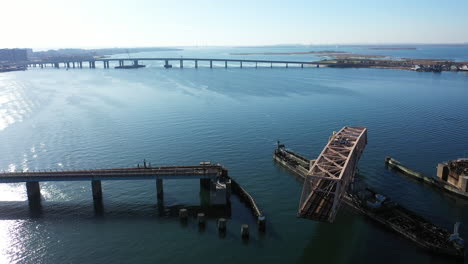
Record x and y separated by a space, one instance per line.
144 23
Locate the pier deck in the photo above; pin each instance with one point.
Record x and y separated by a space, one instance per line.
167 172
209 175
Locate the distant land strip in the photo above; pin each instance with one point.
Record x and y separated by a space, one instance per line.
289 53
388 49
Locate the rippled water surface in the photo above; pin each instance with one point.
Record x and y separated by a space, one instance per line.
84 118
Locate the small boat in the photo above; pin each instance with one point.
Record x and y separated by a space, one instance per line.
130 66
383 210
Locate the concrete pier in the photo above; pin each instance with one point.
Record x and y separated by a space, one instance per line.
159 189
286 65
245 231
135 62
196 63
96 189
201 219
261 221
33 190
222 225
225 64
241 64
211 64
181 64
183 214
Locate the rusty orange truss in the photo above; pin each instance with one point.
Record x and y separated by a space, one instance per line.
329 177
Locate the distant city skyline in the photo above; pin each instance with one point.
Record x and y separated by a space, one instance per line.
143 23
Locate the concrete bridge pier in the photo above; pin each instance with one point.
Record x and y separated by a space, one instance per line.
271 65
166 64
135 62
241 64
211 64
33 190
121 63
80 64
196 64
159 190
255 64
286 65
225 64
42 66
56 65
97 189
68 65
181 64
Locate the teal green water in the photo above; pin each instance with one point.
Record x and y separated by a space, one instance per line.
83 118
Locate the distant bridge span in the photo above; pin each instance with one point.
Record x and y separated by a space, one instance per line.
72 62
329 177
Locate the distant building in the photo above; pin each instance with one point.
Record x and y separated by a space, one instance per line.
13 55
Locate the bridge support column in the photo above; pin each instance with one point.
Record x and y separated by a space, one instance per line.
121 63
33 190
135 62
73 65
68 64
225 64
181 63
42 66
241 64
57 65
97 189
81 64
196 64
255 64
211 64
271 65
302 65
166 64
159 189
286 65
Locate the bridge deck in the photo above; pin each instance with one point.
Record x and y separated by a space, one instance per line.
179 59
329 177
169 172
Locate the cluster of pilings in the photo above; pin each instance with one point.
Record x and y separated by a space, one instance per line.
221 224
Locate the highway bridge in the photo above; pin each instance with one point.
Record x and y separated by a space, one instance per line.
106 62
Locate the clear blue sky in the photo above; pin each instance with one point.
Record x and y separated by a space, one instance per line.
115 23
